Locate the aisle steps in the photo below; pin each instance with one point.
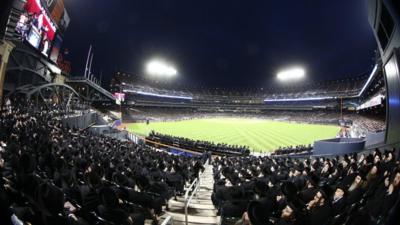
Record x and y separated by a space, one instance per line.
200 210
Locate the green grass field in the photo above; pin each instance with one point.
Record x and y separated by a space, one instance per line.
259 135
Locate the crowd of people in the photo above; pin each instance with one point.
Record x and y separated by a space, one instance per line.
196 145
52 174
361 189
369 123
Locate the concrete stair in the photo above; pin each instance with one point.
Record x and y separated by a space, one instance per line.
200 210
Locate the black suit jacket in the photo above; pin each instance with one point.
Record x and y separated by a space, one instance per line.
320 215
116 215
339 206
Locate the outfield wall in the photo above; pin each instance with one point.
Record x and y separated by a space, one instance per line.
338 146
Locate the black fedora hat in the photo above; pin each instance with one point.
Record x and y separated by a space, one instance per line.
260 210
289 189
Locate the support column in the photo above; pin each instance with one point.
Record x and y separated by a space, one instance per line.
5 49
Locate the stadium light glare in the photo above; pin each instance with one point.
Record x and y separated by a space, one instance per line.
160 68
291 74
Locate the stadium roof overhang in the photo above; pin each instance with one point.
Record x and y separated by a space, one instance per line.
372 75
365 86
158 95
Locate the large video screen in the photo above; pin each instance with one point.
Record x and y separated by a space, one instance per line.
36 27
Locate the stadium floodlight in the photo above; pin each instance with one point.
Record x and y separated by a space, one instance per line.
291 74
160 68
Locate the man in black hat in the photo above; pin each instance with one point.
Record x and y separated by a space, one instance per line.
319 209
89 192
111 210
339 201
288 216
53 207
235 204
308 193
380 206
349 176
356 189
260 210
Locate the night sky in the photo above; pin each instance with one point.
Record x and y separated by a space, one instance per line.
222 43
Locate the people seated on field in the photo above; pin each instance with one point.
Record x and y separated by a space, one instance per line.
293 150
52 174
197 145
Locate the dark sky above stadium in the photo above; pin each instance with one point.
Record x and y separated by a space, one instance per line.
223 43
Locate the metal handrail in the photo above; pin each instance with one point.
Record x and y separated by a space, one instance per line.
188 199
189 188
196 184
167 221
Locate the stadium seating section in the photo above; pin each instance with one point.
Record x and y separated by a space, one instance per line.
53 174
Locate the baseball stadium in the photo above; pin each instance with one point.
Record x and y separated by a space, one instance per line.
199 112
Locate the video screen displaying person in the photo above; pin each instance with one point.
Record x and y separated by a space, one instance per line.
36 27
